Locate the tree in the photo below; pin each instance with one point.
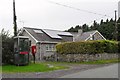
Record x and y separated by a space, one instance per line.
77 28
111 20
7 47
107 21
95 26
101 22
71 29
85 27
107 29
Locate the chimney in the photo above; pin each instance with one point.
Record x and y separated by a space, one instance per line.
80 31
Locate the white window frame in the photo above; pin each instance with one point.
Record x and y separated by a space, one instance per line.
50 47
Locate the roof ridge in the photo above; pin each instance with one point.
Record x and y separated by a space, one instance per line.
53 30
43 29
31 28
90 31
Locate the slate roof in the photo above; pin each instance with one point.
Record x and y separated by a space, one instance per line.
85 35
57 36
49 35
82 36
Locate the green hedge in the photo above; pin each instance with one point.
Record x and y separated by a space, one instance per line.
87 47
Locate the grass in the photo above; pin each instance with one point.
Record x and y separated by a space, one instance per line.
0 69
101 61
37 67
89 62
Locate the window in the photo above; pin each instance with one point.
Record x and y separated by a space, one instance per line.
47 47
53 48
23 45
50 47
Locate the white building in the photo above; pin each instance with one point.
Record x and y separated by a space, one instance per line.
119 9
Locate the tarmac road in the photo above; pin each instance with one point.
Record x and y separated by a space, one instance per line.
110 71
74 68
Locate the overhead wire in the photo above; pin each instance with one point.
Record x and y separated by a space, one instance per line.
68 6
101 18
76 8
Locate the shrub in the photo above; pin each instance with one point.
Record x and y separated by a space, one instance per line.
7 47
111 47
87 47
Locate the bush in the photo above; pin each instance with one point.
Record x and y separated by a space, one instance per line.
7 47
87 47
111 47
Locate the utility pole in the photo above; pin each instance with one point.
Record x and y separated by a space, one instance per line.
115 25
14 19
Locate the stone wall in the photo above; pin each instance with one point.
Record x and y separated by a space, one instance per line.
81 57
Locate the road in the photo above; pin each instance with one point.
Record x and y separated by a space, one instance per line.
73 68
110 71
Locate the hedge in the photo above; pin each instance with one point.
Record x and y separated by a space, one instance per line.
87 47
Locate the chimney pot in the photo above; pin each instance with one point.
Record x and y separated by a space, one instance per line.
80 31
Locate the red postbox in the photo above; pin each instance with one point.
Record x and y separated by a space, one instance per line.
33 49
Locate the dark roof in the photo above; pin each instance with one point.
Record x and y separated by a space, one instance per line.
85 35
82 36
49 35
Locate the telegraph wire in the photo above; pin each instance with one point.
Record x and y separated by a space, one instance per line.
76 8
101 18
103 15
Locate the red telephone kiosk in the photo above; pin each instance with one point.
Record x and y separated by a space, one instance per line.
33 51
21 50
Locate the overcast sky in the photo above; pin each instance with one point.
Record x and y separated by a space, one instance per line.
48 15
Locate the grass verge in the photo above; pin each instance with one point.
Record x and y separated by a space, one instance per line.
88 62
37 67
102 61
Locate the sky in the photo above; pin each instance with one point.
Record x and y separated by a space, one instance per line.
55 14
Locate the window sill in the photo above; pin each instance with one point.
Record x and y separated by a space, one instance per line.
50 51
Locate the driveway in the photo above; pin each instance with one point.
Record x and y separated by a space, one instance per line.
110 71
